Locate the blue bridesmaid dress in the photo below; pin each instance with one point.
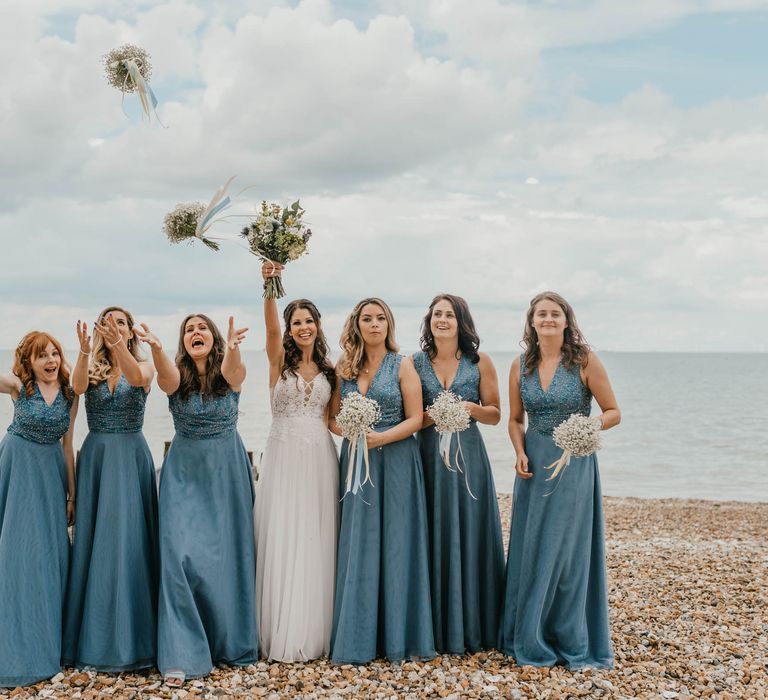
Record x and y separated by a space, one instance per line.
382 606
34 549
110 618
207 610
556 600
466 547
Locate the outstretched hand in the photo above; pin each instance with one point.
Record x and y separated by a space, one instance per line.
108 330
145 335
235 336
83 338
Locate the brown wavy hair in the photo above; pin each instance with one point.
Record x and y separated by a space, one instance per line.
100 366
214 383
292 352
575 348
352 345
469 340
32 345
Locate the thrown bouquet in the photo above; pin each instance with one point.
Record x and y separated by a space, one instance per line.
577 436
128 68
451 418
280 235
357 416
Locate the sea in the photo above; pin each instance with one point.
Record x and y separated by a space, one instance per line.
694 425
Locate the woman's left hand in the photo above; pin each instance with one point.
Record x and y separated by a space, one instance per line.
374 439
235 336
108 330
470 408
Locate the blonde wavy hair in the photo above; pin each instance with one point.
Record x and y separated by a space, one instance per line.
100 367
352 344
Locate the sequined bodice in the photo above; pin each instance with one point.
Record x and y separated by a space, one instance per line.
385 389
465 384
121 412
565 395
199 418
293 397
35 420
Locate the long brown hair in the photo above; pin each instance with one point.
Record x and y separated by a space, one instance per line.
320 351
469 341
214 382
352 344
100 366
32 345
575 348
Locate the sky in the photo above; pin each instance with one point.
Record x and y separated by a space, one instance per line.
613 152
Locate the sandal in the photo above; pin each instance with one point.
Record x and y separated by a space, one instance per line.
174 679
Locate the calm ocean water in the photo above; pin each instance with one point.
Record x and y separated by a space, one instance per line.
694 425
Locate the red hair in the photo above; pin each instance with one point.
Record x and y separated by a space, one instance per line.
32 345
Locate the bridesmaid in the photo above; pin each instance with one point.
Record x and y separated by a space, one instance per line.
382 606
556 601
467 552
296 514
37 493
206 612
110 621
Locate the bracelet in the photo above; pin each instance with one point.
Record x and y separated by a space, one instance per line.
87 354
117 342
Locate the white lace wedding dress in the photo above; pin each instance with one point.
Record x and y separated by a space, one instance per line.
296 519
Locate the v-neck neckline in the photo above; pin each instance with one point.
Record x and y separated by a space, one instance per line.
373 378
42 396
552 381
453 379
112 393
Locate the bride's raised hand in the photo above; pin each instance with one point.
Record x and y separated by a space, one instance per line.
271 269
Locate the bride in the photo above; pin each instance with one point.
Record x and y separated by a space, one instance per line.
296 511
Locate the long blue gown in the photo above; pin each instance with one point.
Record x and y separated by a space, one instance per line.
382 606
467 551
556 600
207 610
110 619
34 549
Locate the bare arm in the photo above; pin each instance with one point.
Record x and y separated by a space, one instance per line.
516 424
168 378
69 460
10 384
334 406
232 367
596 380
410 388
275 351
80 373
488 411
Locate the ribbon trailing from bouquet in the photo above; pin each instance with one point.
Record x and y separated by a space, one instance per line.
218 203
146 96
445 453
558 465
358 457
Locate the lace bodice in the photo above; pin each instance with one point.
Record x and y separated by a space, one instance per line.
35 420
293 397
121 412
385 389
564 396
199 418
465 384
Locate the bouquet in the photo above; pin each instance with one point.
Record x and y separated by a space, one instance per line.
180 225
128 68
451 418
578 436
357 416
278 234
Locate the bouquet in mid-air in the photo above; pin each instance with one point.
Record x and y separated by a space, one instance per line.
280 235
577 436
451 418
128 68
357 416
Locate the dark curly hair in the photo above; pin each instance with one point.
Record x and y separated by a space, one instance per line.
32 345
469 341
292 355
575 348
214 382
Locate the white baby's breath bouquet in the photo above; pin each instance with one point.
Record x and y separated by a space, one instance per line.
357 416
128 68
180 225
577 436
451 418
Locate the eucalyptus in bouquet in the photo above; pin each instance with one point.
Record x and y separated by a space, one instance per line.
129 68
451 418
577 436
357 416
280 235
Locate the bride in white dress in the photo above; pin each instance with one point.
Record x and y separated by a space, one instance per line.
297 494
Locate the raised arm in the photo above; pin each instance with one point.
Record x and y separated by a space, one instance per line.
232 367
69 460
596 380
136 373
80 372
168 378
488 410
275 352
410 388
516 424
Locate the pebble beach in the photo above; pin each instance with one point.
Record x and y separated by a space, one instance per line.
689 619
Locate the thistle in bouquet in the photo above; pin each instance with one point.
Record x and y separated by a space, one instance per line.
577 436
451 418
357 416
277 234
